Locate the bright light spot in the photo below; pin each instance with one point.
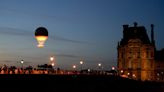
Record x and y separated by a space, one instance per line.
74 66
51 58
122 71
134 75
157 74
81 62
99 64
41 40
53 64
89 70
113 68
22 61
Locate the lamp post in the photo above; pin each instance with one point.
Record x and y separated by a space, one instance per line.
100 67
52 63
22 61
51 58
74 68
122 72
113 68
81 63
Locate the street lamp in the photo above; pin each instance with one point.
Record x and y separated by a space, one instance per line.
128 74
22 61
52 61
122 72
51 58
99 65
81 63
53 64
134 76
74 66
113 68
74 69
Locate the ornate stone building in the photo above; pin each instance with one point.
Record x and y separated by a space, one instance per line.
137 54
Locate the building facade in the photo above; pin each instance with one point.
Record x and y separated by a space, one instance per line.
137 54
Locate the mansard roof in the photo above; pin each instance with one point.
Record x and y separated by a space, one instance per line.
136 32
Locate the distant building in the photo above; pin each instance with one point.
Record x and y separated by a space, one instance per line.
137 55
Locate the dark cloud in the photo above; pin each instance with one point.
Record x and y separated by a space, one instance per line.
67 40
14 31
27 13
10 61
7 61
21 32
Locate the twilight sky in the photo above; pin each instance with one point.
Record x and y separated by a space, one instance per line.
85 30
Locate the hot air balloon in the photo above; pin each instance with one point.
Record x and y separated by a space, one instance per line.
41 35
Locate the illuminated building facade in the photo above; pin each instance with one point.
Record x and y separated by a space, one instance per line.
137 54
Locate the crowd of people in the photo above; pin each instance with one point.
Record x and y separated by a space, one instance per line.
48 69
28 70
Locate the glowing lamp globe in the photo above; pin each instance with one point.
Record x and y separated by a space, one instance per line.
41 35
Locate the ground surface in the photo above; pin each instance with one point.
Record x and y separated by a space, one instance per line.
76 83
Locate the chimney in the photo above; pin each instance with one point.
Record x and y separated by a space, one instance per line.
152 34
125 26
135 24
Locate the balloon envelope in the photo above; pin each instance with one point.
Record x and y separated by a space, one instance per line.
41 35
